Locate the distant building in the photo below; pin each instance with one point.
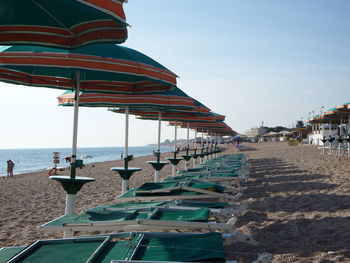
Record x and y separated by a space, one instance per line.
256 132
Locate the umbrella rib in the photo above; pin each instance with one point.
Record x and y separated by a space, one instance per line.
53 17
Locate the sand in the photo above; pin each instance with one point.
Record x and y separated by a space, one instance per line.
300 210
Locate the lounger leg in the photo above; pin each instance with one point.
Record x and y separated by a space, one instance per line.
68 234
70 204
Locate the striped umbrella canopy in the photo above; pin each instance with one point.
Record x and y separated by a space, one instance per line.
337 111
344 106
102 67
62 23
159 103
200 113
322 118
218 116
95 67
199 110
340 114
174 99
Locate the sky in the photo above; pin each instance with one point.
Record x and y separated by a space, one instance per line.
253 61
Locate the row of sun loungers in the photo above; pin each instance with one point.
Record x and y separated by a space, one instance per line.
190 202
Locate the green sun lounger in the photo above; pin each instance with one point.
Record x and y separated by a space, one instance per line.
221 208
8 252
167 247
142 220
221 211
209 177
133 247
168 191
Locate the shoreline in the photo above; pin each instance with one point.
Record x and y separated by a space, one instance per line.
64 167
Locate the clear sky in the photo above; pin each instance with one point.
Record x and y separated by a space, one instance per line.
273 61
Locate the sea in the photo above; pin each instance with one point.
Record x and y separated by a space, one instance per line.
33 160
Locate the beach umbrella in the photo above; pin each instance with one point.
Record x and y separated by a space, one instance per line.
216 128
62 23
174 99
183 118
200 110
96 67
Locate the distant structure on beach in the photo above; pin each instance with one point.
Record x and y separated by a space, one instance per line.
256 132
272 134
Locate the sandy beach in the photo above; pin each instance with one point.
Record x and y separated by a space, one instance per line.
300 210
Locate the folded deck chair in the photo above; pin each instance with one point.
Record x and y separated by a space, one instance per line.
220 210
234 168
238 168
142 220
128 247
168 191
210 177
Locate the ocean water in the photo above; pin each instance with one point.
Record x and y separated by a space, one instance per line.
32 160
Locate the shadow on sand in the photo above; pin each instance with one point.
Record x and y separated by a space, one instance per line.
271 180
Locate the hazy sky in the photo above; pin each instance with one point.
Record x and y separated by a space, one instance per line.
273 61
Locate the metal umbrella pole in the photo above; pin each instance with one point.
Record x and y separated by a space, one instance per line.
125 182
158 165
157 173
348 137
195 148
330 138
188 145
70 198
72 184
323 140
126 172
339 137
202 147
175 138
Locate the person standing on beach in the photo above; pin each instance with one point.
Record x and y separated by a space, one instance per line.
10 166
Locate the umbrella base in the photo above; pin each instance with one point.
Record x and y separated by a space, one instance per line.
187 157
157 165
72 185
195 156
125 173
174 161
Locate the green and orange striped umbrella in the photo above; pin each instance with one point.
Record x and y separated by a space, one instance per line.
158 103
95 67
62 23
103 67
174 99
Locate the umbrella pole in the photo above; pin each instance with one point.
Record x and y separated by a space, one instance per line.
340 134
202 147
188 144
194 146
330 135
173 172
157 171
348 129
125 183
70 198
75 126
207 156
